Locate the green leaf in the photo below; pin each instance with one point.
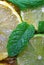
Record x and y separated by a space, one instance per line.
19 38
24 4
41 27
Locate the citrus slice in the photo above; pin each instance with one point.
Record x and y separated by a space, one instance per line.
9 19
34 52
33 16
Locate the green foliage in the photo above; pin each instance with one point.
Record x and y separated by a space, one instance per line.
41 27
19 38
24 4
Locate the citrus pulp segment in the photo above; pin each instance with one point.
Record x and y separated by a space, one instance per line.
9 19
34 52
33 16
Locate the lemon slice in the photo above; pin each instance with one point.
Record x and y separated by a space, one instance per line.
33 16
9 19
34 52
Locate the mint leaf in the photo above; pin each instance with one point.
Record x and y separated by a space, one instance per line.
41 27
19 38
24 4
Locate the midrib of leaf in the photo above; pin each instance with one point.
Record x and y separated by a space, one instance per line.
19 38
22 33
20 43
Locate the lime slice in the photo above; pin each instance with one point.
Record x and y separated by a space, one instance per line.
34 53
9 19
33 16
